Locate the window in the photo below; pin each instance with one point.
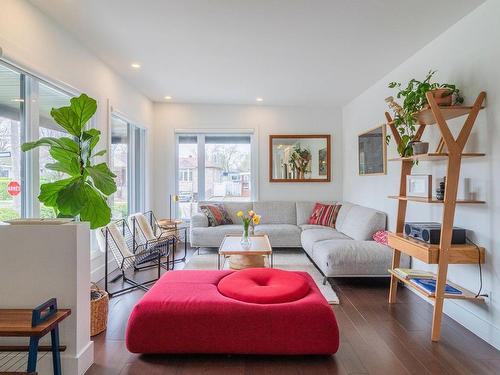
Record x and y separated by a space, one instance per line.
213 167
12 131
127 163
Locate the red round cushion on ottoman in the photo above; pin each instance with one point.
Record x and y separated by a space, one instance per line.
264 285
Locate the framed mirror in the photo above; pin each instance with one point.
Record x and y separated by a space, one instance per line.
372 152
299 158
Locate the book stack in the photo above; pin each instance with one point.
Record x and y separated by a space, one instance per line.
407 273
424 280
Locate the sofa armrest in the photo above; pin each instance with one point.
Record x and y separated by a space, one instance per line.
199 220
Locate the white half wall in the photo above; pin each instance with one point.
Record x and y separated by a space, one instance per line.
467 54
264 120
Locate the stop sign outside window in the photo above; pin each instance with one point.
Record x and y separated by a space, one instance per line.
14 188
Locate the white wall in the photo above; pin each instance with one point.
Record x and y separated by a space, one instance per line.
36 43
265 120
467 54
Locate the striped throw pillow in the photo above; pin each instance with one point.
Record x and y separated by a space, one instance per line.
325 214
216 214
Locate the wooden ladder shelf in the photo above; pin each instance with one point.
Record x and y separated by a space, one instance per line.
445 253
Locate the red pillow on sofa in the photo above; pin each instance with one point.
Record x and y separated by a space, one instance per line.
380 237
325 214
216 214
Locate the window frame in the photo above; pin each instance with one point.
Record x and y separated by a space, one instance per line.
136 160
200 135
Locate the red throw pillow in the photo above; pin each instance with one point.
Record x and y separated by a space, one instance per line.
325 214
380 237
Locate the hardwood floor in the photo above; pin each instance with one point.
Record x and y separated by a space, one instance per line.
376 338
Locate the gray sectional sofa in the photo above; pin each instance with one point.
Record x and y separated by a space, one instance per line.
347 250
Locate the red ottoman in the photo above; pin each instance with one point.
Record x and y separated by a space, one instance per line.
254 311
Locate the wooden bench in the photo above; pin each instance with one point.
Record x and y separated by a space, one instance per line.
35 324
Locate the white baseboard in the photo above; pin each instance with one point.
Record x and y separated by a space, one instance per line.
477 325
97 271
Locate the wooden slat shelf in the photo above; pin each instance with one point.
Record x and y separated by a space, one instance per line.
427 253
445 253
437 156
434 200
466 293
426 117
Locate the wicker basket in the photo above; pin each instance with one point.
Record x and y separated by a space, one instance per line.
99 300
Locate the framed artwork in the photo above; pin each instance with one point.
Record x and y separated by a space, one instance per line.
419 185
299 158
372 152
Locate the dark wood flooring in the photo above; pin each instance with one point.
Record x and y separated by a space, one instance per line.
376 338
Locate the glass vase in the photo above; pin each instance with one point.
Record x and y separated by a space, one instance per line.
245 241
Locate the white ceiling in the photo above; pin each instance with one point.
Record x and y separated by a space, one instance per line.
289 52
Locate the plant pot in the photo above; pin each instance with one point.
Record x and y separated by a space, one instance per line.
420 147
443 97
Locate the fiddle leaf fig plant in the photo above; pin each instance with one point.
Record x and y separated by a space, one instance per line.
84 192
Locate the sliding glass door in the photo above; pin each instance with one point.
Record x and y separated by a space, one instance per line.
213 167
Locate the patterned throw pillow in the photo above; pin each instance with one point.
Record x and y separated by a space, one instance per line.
380 237
216 214
325 214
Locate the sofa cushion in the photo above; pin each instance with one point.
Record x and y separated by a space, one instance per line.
360 223
216 214
280 235
274 212
352 258
344 210
212 236
264 285
232 209
309 237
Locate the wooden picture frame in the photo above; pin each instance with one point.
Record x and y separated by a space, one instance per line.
372 152
319 164
419 185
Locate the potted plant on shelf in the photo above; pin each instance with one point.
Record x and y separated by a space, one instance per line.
84 192
414 100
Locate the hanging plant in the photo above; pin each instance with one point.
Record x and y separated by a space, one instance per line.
83 194
414 100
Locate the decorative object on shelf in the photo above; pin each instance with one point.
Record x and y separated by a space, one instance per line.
99 300
420 147
414 100
440 190
84 192
299 158
372 152
248 220
430 232
174 198
419 185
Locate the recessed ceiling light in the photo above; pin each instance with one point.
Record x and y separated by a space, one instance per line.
168 97
259 99
135 65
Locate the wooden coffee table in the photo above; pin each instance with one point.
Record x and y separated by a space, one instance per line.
239 257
